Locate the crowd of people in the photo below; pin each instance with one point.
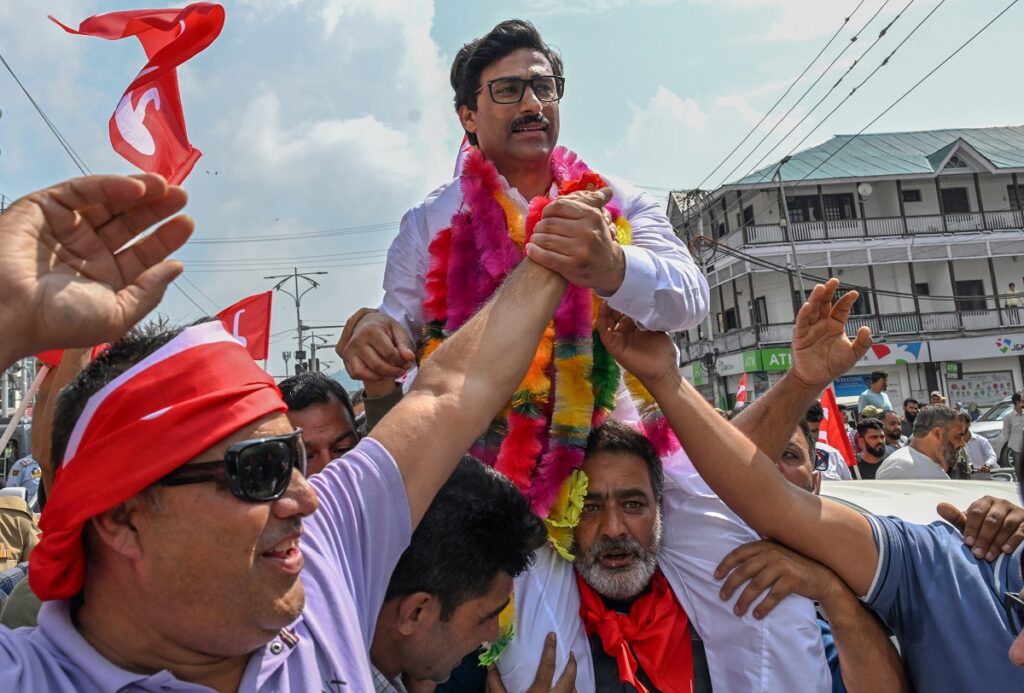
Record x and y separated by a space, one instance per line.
546 505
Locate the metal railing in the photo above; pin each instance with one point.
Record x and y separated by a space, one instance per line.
873 227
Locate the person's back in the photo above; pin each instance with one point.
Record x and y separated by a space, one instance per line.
908 463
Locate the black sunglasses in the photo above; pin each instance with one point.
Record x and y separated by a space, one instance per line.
547 88
255 470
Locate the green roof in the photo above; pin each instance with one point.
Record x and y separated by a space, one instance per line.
898 154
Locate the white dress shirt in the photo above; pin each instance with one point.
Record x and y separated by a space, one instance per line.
1013 430
908 463
662 289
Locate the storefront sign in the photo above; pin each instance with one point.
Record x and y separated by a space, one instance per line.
768 360
981 388
1010 344
895 353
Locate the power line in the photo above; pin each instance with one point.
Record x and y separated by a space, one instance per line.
793 106
752 130
278 259
78 161
201 292
202 311
343 231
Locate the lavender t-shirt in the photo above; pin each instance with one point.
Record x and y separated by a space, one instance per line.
351 546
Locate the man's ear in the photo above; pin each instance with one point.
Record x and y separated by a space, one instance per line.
816 482
117 528
417 612
467 116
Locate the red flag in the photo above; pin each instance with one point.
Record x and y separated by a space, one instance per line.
832 429
741 392
249 320
148 125
53 357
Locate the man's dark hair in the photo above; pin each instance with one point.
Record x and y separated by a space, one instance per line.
309 389
878 375
615 436
1016 397
866 424
886 413
933 416
121 356
814 413
910 400
472 58
478 525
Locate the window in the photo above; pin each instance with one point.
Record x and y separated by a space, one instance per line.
1015 196
970 287
748 215
955 162
760 310
921 288
803 208
954 201
731 319
911 195
839 206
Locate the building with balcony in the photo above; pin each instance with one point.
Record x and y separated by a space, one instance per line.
928 226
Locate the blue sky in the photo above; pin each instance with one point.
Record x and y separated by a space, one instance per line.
335 115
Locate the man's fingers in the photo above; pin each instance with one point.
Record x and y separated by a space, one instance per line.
122 227
546 668
578 205
862 341
403 344
841 310
494 683
954 516
141 296
736 557
555 262
567 681
780 590
975 518
154 248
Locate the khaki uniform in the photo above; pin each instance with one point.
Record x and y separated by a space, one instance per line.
19 532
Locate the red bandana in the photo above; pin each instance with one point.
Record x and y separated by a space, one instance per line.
182 399
656 629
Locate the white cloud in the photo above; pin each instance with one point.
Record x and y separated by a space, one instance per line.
550 8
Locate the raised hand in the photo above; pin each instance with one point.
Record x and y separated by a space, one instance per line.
65 277
821 350
377 348
574 238
650 356
990 526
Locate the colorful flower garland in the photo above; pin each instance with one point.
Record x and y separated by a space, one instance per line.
570 387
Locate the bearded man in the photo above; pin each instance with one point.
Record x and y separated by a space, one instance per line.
932 451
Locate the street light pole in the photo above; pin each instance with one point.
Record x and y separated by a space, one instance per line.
297 296
784 223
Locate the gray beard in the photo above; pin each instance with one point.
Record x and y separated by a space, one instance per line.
626 582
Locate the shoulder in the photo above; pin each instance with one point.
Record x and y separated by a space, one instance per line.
13 505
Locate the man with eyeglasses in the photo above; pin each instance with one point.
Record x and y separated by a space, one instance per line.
183 547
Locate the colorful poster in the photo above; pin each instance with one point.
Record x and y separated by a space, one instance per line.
983 388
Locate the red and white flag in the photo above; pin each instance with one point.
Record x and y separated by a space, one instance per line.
249 321
741 392
832 430
148 125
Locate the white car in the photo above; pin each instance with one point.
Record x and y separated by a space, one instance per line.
914 500
990 425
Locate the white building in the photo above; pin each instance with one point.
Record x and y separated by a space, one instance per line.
928 225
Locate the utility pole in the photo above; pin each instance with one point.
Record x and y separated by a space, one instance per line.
297 297
784 223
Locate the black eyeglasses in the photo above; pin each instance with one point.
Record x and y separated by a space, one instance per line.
547 88
255 470
1013 602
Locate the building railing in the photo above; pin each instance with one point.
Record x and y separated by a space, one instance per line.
903 325
874 227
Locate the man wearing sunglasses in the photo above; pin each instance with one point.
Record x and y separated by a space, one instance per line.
182 544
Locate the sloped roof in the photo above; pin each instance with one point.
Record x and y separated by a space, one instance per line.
895 154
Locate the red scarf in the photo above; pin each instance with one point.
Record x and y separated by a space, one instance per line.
656 629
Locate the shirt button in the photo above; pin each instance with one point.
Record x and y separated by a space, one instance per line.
276 647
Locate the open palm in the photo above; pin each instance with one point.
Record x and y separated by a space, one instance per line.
65 276
821 350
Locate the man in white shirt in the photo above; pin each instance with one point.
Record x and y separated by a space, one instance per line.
979 451
1013 426
938 434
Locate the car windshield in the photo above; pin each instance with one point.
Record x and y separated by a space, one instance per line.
996 413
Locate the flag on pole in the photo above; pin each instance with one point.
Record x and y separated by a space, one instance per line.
249 321
148 125
833 431
741 392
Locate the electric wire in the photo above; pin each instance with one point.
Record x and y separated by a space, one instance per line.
785 94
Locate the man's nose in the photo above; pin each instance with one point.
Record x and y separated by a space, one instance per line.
299 499
612 523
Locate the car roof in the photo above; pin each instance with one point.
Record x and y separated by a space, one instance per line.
914 500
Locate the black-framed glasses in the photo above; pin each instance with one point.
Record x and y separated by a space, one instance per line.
255 470
1013 602
547 88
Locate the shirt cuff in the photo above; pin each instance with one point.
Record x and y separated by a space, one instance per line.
639 282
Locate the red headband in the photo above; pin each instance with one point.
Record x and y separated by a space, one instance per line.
182 399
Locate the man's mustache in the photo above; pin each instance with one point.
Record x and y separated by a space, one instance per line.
535 118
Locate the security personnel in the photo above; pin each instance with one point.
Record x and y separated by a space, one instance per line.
19 532
26 473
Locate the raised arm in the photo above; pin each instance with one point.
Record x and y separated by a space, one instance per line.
743 476
474 373
64 277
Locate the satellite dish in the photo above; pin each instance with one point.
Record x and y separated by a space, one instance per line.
864 189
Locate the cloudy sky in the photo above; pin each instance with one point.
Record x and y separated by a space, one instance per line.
322 121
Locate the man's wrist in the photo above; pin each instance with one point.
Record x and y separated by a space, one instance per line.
793 382
615 275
